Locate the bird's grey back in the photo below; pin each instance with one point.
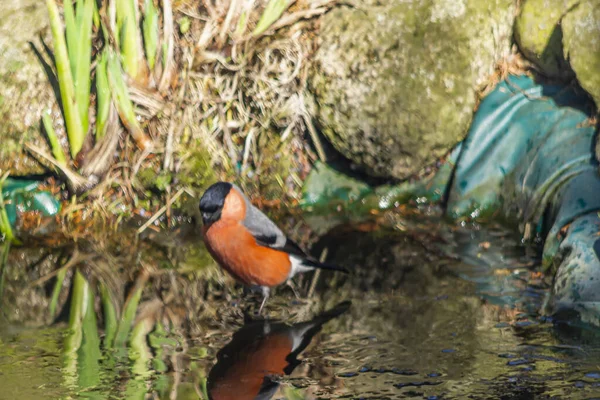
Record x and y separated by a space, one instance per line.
260 226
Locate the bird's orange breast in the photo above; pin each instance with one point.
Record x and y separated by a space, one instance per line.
236 251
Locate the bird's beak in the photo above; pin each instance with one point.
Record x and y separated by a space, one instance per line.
210 218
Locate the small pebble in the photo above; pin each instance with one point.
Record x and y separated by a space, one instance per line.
523 324
406 372
506 355
520 361
416 384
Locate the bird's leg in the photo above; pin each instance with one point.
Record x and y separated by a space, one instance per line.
292 286
265 291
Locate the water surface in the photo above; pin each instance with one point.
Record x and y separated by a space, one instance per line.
437 312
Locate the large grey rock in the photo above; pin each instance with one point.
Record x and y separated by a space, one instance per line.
539 34
24 88
395 80
581 41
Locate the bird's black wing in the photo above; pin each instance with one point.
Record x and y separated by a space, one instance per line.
289 246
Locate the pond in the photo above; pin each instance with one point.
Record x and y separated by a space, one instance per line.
430 310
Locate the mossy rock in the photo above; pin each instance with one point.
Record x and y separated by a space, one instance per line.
539 35
581 41
25 92
395 82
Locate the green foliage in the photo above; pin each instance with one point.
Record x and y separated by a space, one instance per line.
126 321
129 37
150 30
110 316
184 25
57 150
5 227
120 94
60 279
272 12
82 344
293 393
73 59
80 54
73 122
103 95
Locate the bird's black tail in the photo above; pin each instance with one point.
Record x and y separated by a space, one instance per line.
331 267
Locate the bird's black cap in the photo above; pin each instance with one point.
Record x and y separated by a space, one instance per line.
212 201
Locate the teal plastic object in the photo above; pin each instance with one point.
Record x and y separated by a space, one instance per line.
326 189
526 142
529 153
24 195
325 186
577 281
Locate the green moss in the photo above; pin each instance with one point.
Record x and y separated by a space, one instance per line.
196 170
582 45
539 35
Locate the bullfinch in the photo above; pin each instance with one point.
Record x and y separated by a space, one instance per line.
247 244
259 353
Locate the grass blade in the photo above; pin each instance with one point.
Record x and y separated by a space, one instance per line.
103 95
83 55
139 352
168 47
272 12
123 102
82 344
78 307
71 33
131 47
5 227
110 316
89 353
126 28
150 28
96 16
130 310
75 132
60 280
79 294
57 150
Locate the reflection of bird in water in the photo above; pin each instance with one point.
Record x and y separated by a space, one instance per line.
259 352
